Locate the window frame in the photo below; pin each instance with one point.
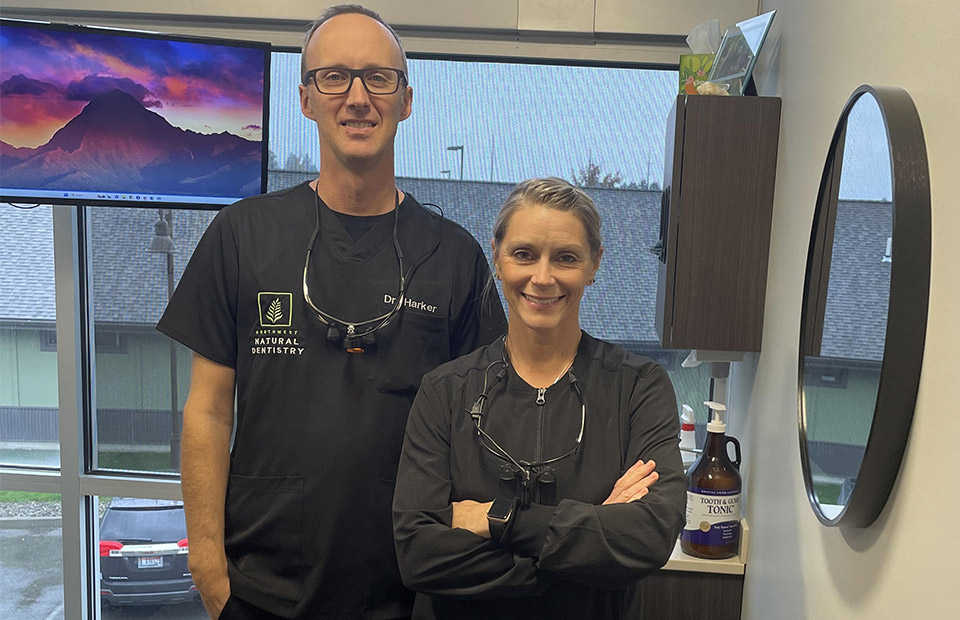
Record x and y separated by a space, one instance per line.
76 481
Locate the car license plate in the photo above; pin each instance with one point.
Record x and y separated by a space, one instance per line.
150 562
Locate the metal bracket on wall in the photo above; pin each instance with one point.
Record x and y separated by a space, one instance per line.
719 369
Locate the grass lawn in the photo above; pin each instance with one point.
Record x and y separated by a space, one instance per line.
124 460
27 496
826 492
136 461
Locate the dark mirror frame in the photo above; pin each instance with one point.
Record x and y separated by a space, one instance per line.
907 314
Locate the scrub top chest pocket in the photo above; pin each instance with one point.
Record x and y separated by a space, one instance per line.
422 343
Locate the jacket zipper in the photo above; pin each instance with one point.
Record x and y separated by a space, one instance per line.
541 392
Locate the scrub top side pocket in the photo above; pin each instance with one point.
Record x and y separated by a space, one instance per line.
263 535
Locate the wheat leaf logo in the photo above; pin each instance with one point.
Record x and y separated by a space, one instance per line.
275 311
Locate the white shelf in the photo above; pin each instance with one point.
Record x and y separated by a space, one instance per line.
680 561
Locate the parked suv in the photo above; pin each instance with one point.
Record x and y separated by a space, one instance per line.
143 554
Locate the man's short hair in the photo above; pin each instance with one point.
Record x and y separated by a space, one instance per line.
348 9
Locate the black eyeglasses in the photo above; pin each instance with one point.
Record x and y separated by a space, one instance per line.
338 80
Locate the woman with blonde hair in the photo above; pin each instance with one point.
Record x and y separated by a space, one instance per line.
540 475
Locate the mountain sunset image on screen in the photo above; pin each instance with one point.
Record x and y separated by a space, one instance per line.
100 113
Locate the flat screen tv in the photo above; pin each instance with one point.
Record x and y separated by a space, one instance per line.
113 117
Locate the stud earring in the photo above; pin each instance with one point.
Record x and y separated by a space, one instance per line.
592 280
496 275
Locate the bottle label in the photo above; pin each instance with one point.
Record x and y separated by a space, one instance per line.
713 517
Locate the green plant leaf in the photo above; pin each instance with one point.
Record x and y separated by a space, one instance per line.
275 311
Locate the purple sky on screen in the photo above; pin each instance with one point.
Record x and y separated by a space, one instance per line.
47 76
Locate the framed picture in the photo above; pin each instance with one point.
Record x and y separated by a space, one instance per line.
738 52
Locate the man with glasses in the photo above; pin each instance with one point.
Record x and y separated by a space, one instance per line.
320 307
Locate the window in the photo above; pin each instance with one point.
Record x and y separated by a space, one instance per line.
142 377
28 366
30 555
106 341
477 129
48 340
826 377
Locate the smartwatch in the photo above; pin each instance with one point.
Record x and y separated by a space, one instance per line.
499 515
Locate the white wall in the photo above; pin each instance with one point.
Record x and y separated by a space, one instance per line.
648 31
486 14
901 566
583 16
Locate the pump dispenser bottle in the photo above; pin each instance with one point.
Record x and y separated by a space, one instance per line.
713 495
688 442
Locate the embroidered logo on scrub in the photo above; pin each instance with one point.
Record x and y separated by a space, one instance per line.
275 336
275 309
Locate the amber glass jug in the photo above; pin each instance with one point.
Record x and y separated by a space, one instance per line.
712 530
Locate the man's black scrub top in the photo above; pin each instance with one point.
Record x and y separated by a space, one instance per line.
319 430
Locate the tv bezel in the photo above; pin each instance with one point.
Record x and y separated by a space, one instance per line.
265 47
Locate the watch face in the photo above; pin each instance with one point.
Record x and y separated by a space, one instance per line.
501 509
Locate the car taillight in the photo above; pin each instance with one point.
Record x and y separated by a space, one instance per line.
106 546
182 543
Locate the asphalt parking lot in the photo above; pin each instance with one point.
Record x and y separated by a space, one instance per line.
31 570
31 577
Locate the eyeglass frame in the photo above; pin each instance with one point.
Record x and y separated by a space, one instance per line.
311 75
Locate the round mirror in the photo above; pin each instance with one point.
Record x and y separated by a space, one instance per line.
864 307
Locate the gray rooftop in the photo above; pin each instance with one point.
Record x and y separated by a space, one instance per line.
129 284
855 319
26 264
621 305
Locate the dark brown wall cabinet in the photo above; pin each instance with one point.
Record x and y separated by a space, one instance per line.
721 162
